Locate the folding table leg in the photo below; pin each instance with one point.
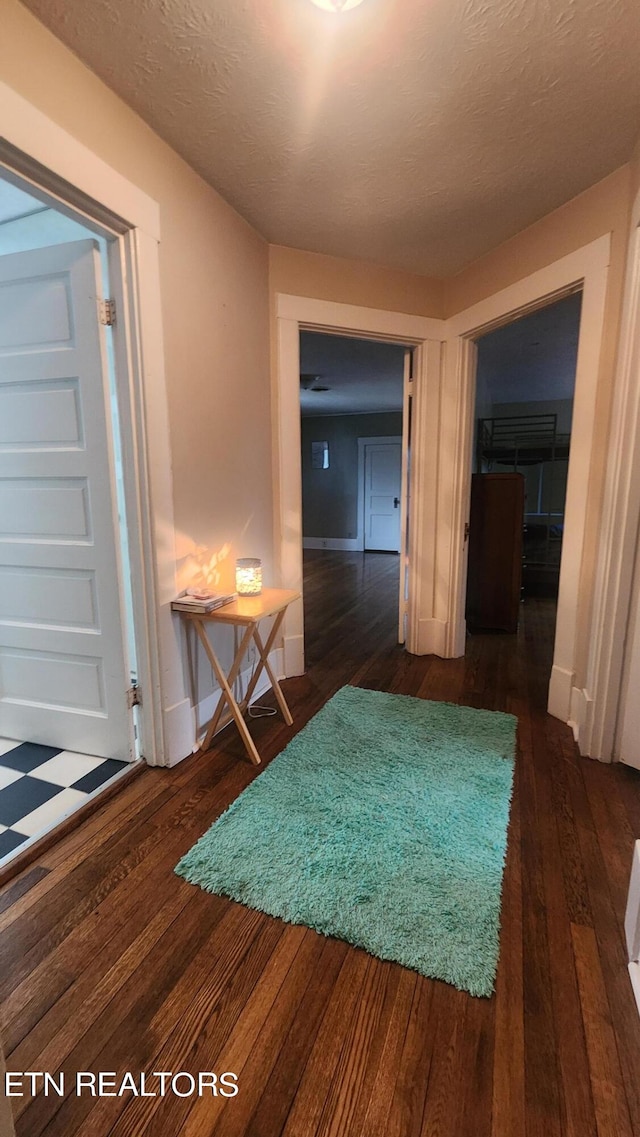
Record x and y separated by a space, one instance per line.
263 651
231 677
260 668
227 695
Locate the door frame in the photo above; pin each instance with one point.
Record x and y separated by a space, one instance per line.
51 164
618 554
585 269
294 314
383 440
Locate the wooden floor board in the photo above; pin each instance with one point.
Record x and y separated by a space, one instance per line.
272 1108
109 961
327 1053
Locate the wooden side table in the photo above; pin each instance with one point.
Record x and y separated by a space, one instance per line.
246 612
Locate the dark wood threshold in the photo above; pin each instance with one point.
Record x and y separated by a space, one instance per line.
32 852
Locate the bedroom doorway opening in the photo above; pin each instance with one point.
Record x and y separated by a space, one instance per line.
354 464
525 380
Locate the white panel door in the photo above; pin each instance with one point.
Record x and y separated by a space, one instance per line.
63 675
382 493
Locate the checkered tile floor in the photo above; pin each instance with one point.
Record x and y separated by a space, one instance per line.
39 785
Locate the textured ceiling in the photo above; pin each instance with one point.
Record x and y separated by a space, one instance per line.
414 133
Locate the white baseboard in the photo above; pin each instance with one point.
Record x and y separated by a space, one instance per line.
336 544
293 656
178 733
432 638
632 914
632 924
581 719
560 690
634 974
458 638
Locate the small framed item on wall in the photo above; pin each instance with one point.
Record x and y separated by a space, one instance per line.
319 455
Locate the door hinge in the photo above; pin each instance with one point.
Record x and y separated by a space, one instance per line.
466 532
107 312
134 698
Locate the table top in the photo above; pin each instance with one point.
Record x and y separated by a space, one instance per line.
249 609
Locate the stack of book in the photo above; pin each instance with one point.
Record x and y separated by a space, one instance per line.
201 602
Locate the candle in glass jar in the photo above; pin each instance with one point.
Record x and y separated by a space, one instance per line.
249 576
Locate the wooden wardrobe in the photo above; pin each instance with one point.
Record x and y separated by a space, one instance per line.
494 575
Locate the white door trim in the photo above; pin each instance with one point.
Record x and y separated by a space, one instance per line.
26 128
296 313
41 153
390 439
586 268
350 319
617 553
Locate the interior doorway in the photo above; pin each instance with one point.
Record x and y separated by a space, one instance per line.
578 635
379 493
352 394
525 380
423 335
67 643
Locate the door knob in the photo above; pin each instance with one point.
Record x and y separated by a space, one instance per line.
396 502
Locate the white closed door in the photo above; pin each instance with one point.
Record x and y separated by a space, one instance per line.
63 675
382 494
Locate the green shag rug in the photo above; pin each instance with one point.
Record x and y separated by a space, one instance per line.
383 822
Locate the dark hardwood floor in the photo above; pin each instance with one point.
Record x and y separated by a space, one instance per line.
110 962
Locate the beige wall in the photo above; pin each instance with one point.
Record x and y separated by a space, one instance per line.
604 208
353 282
214 284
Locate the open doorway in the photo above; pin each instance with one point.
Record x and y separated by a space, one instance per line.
525 382
579 637
67 645
422 631
353 464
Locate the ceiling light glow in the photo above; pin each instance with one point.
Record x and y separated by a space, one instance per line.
336 5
